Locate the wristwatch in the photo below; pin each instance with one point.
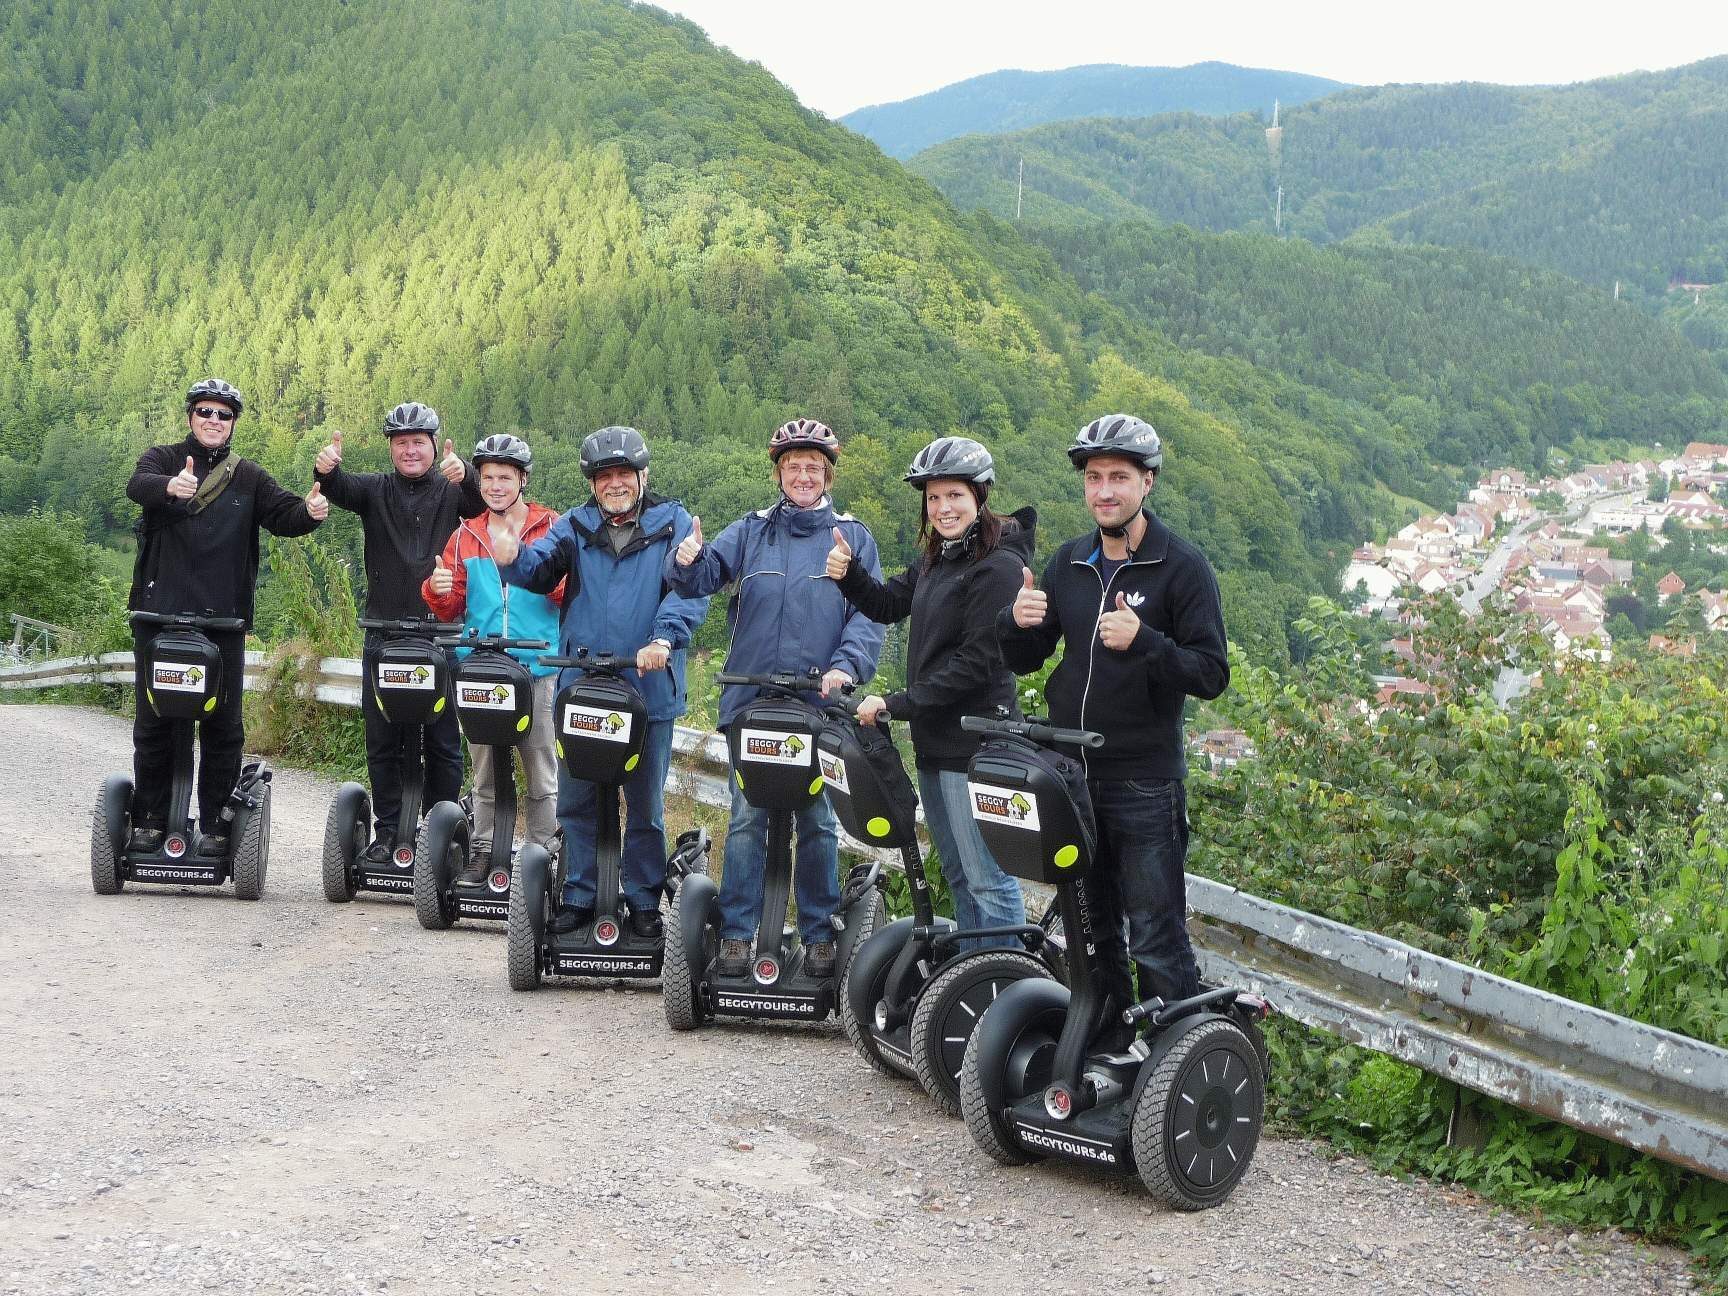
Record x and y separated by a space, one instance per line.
664 643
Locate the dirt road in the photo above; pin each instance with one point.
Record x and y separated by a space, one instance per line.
293 1096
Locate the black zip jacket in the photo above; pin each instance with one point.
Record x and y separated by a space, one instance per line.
205 563
406 522
1133 697
953 664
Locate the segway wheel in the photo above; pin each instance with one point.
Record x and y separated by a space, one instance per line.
1007 1060
679 997
252 850
862 919
110 825
949 1011
862 989
440 853
1197 1119
526 928
345 832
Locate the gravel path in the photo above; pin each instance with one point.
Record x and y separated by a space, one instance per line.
293 1096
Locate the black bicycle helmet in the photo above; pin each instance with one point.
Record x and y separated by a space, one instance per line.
411 416
215 389
804 434
502 448
952 458
613 447
1121 435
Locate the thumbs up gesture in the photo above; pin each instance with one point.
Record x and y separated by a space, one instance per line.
1031 604
506 544
839 557
330 455
316 505
1118 626
184 485
691 545
451 465
442 580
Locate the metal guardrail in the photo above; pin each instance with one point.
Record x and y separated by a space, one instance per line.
1663 1094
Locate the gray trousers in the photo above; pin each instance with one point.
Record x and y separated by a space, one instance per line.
536 814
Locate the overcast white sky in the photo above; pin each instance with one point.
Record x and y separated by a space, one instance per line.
838 55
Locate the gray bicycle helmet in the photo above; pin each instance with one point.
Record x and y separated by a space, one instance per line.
1121 435
214 389
952 458
613 447
502 448
411 416
804 434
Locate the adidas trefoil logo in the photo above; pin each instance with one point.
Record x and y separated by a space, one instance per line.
1134 600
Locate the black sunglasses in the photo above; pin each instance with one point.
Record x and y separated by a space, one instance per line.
219 412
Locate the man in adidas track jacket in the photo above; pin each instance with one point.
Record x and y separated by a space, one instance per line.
1137 607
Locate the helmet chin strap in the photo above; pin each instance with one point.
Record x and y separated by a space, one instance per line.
1115 533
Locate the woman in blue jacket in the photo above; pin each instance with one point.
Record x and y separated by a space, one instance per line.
613 551
786 616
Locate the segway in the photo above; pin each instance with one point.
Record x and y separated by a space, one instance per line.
912 994
773 749
495 705
1054 1072
411 688
182 674
601 723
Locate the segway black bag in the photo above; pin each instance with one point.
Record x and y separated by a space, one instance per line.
184 675
773 749
411 680
600 728
1032 810
494 698
867 784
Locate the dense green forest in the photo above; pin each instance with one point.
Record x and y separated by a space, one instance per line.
1013 99
1621 178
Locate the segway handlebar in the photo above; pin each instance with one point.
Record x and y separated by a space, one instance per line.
847 700
783 681
427 627
189 620
1031 730
499 643
594 663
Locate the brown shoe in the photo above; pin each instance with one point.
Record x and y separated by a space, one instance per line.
734 958
819 959
478 863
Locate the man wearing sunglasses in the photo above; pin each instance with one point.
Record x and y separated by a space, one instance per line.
203 507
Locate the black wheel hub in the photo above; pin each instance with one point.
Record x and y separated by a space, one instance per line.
1213 1129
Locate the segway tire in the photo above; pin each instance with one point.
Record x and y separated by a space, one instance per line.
949 1011
345 831
107 852
526 927
678 995
862 920
252 850
1020 1030
434 869
1206 1088
868 961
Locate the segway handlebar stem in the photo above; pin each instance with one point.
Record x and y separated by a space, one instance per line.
1032 730
189 620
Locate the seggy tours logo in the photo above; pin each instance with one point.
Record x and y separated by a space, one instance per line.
1007 807
766 747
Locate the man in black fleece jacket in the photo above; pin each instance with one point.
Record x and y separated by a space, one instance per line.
406 515
1137 608
199 555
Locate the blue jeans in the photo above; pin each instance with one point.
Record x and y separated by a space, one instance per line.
815 877
1138 876
984 896
643 866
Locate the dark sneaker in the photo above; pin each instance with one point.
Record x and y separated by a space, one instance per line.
146 841
734 958
819 959
213 846
478 863
570 917
377 855
645 923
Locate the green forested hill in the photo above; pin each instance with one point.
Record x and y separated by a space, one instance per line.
1614 179
554 215
1013 99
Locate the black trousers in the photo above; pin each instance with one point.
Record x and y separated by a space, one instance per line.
441 752
221 739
